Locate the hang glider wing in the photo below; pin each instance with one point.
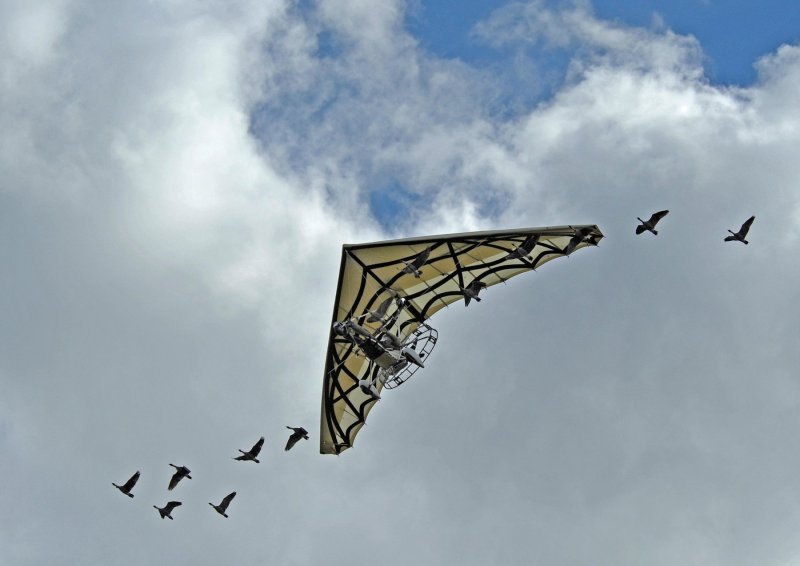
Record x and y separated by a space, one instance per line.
387 293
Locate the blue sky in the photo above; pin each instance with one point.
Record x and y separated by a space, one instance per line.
733 34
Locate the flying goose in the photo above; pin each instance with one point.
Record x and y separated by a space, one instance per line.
368 388
377 315
525 248
581 235
299 432
223 506
167 509
650 224
251 455
128 485
415 265
742 233
180 473
472 290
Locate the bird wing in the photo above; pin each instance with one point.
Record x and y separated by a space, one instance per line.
176 477
746 226
384 306
578 238
525 248
573 243
171 505
529 243
227 500
640 228
475 286
422 258
257 447
131 482
656 216
295 436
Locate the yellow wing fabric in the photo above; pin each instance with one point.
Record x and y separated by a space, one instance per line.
377 273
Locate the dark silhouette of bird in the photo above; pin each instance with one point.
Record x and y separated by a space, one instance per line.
416 264
223 506
525 248
581 235
180 473
251 455
472 290
299 432
742 233
128 485
650 224
167 509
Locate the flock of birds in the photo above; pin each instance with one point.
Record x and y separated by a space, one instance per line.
181 472
524 250
650 226
413 267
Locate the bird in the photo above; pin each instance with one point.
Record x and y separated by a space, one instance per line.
299 432
593 240
251 455
581 235
392 319
651 223
377 315
128 485
368 388
167 509
472 290
180 473
224 504
415 265
525 248
742 233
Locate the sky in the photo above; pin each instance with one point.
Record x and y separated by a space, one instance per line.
178 179
733 34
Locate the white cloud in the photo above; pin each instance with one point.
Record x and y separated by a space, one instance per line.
32 34
178 180
575 25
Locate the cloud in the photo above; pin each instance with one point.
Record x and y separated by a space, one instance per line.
178 180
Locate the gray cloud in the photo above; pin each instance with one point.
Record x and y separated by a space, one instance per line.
178 180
